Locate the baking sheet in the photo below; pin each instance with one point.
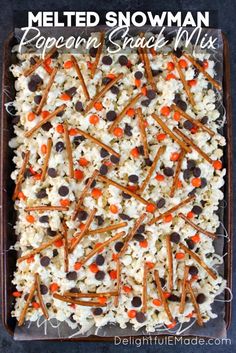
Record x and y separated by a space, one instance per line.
59 330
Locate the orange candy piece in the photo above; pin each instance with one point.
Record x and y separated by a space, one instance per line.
174 156
165 110
83 162
113 274
190 215
168 218
196 182
96 193
44 149
54 287
118 132
134 152
102 300
157 302
132 314
143 244
150 208
170 77
176 116
161 137
130 112
78 174
93 119
31 116
179 256
93 268
196 238
98 106
60 129
192 83
35 305
30 218
127 289
73 132
113 208
44 114
159 177
170 66
65 202
58 243
17 294
68 64
183 63
65 97
217 165
77 266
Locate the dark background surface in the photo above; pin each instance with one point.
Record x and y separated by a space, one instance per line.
222 16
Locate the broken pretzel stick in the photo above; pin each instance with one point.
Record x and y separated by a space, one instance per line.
147 65
161 296
144 294
142 132
68 150
80 76
40 248
46 91
198 260
46 160
107 229
195 304
98 55
26 306
30 70
195 226
90 295
78 302
66 251
172 209
169 261
41 302
177 172
21 175
183 295
46 208
170 133
118 271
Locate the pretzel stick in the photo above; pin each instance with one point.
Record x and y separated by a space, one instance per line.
90 295
46 91
44 121
161 295
123 188
160 151
46 208
131 233
120 116
98 142
183 295
21 175
83 231
140 52
46 160
118 269
80 76
172 209
177 172
83 193
199 261
195 304
201 69
41 302
98 55
142 132
78 302
29 71
192 144
66 252
170 133
169 261
184 82
107 229
100 94
144 297
40 248
68 150
26 306
147 66
195 226
101 246
193 120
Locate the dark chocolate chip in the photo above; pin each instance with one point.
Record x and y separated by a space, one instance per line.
15 120
118 246
71 91
93 52
82 215
201 298
138 75
136 302
151 94
178 52
204 120
37 99
52 172
168 171
63 190
163 281
114 159
115 90
124 217
156 72
161 202
126 196
123 60
197 210
174 298
193 270
141 228
43 289
106 80
191 164
27 173
197 172
55 55
103 169
186 174
177 98
44 219
128 130
47 126
100 275
51 233
103 153
45 261
60 113
203 183
77 140
140 317
60 146
74 290
107 60
41 194
182 105
175 237
148 162
71 276
100 260
71 317
196 72
79 106
139 237
188 125
140 150
55 252
32 60
111 115
48 305
133 178
97 311
145 103
100 220
190 243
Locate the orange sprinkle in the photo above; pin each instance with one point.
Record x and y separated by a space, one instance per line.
170 77
47 68
83 162
179 184
111 76
130 112
132 187
168 218
93 119
196 182
37 176
134 152
192 83
217 165
157 302
30 218
160 137
77 266
115 257
96 193
143 244
102 300
93 268
21 196
98 106
153 51
73 132
159 177
113 208
78 174
89 65
36 305
31 116
60 129
48 61
30 259
113 274
174 156
58 243
97 245
196 238
183 63
44 114
17 294
118 132
166 295
165 110
65 97
172 325
205 64
54 287
176 116
170 66
65 202
150 264
180 256
190 315
190 215
127 289
137 82
144 90
44 149
68 64
150 208
132 314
